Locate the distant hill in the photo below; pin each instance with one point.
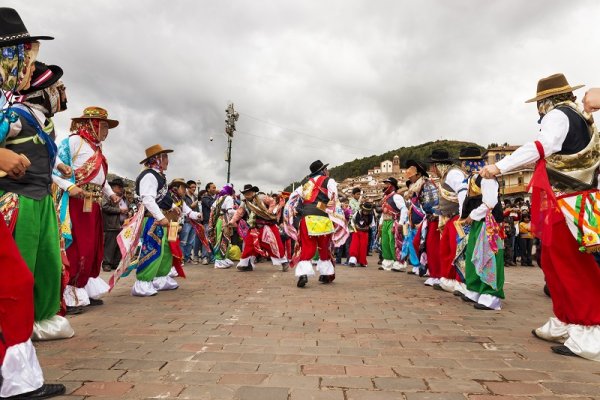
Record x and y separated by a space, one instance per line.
361 166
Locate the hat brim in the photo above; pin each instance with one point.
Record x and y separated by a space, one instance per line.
320 169
252 189
112 123
27 39
155 154
420 169
117 183
57 73
444 161
546 95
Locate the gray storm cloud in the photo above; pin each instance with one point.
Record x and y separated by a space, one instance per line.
329 80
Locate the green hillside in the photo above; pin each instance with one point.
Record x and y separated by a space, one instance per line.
361 166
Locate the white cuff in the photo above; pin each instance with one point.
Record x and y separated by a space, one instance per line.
584 341
173 273
56 327
490 301
352 260
164 283
143 289
398 266
472 295
553 331
226 263
21 370
76 297
96 288
304 268
325 267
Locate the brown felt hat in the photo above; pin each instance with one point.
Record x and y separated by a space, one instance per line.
94 112
551 86
155 150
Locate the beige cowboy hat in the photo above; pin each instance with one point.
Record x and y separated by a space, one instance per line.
97 113
551 86
155 150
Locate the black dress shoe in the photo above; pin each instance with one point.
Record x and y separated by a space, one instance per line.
457 293
411 272
45 392
96 302
380 268
547 291
302 281
482 307
437 286
244 269
75 310
563 351
465 298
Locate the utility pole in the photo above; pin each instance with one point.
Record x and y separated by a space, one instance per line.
232 116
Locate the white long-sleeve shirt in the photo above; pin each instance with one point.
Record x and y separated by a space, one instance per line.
331 189
148 192
456 180
81 151
554 128
489 192
401 205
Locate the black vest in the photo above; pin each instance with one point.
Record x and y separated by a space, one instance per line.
472 202
578 136
362 221
163 199
311 208
37 180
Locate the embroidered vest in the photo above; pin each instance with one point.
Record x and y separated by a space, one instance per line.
575 166
389 207
37 180
315 196
448 197
164 201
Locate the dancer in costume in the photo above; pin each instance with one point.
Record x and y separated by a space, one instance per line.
567 151
452 194
22 377
363 220
221 213
484 254
409 253
423 195
394 215
29 204
82 151
263 238
156 258
322 224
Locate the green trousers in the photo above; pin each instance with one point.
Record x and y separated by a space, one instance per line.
37 237
219 237
162 265
472 279
388 240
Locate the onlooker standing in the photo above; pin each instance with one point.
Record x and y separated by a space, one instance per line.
188 234
509 232
207 201
113 217
526 240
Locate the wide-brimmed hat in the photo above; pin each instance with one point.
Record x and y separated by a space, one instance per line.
43 77
250 188
317 166
440 156
470 153
551 86
367 206
420 167
117 182
392 181
100 113
155 150
178 182
13 30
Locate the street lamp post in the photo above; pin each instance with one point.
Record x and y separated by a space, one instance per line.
232 117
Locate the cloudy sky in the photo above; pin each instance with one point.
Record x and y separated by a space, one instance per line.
311 79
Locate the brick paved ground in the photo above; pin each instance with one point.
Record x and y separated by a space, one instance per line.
371 335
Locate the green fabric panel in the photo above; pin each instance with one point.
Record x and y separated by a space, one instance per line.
388 241
472 280
37 237
157 266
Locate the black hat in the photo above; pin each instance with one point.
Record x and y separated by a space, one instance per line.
249 188
13 30
317 166
440 156
393 181
470 153
43 77
420 167
117 182
367 206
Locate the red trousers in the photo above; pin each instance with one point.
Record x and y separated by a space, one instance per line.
310 244
254 240
572 277
359 246
432 248
87 250
16 294
448 250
